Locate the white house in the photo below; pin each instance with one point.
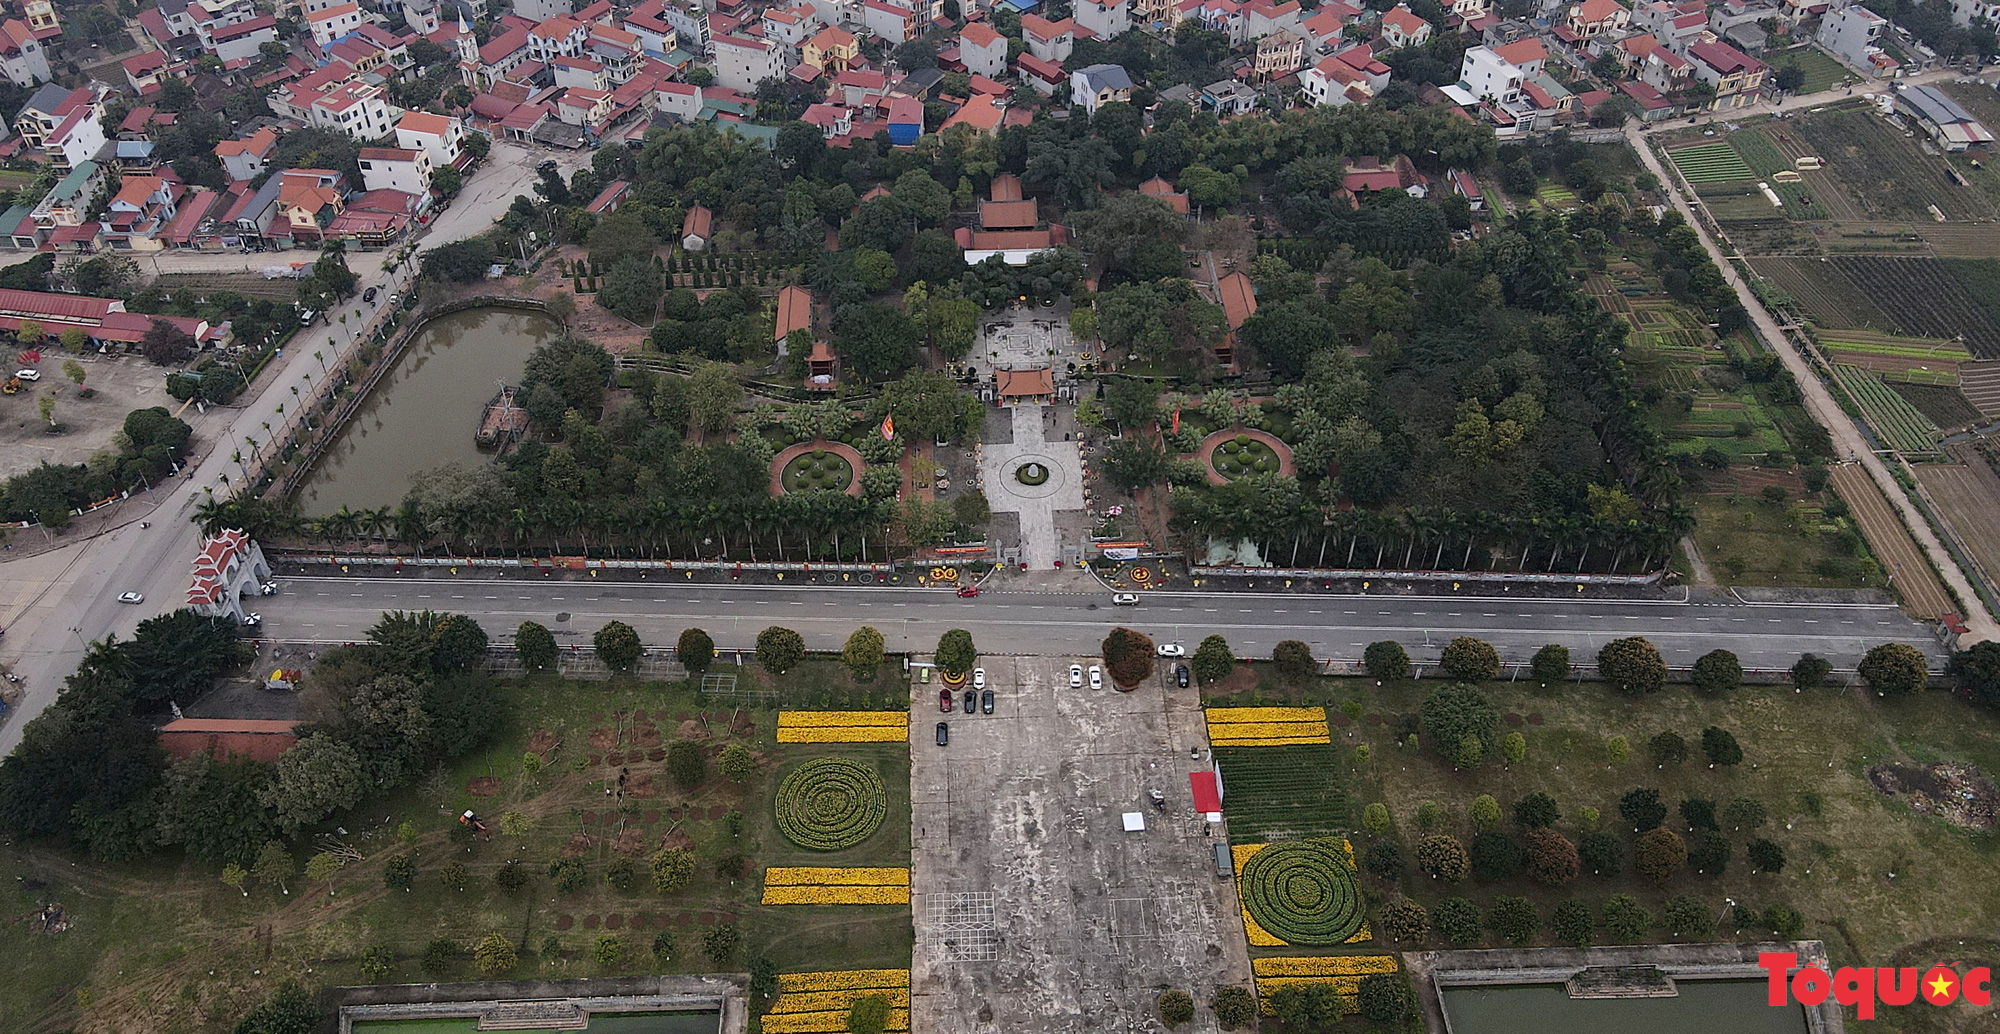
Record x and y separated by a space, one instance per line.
1047 40
741 63
440 136
1107 18
396 168
243 41
1098 85
680 100
1402 28
1335 82
247 159
542 10
21 54
1488 74
983 51
357 109
334 22
1853 35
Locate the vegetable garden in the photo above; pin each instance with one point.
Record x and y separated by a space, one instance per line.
827 804
1710 163
1901 425
1923 297
1886 171
1283 792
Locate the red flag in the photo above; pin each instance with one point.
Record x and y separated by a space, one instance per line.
888 427
1177 419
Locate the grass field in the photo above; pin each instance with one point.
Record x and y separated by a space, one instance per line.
1710 163
164 945
1822 72
1282 793
1806 761
1756 542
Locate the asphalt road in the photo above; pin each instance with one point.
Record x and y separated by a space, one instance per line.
1004 622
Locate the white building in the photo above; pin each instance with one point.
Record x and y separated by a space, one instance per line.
244 41
333 23
680 100
1964 12
542 10
21 56
1047 40
1853 35
1335 82
395 168
441 136
358 109
742 63
1098 85
1107 18
982 51
1496 75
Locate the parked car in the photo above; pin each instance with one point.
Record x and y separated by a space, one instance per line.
1076 676
1172 650
966 592
946 701
268 589
1096 677
1126 599
368 296
979 678
971 701
1181 675
986 702
131 597
307 317
944 734
253 620
28 375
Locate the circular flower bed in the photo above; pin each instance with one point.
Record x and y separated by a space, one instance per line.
830 803
818 470
1303 892
1031 473
1243 455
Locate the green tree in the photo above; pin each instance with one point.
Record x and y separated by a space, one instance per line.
377 963
1626 918
1384 858
321 868
1766 856
290 1010
1536 810
1743 814
1485 813
621 873
1720 747
868 1014
608 950
1403 920
1643 808
1175 1007
567 874
780 649
1459 921
1213 660
686 764
863 653
1658 855
1717 671
511 876
1810 672
1601 854
400 873
617 645
1443 857
1574 923
1455 713
1552 860
1233 1007
1375 818
1386 661
1667 748
672 868
494 955
1470 660
737 763
955 653
1515 919
536 646
1294 660
1313 1005
1617 750
453 874
1687 916
233 876
1514 747
438 956
1387 998
720 943
695 650
1632 664
1894 668
1551 664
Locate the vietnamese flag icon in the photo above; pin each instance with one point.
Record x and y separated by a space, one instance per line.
1940 986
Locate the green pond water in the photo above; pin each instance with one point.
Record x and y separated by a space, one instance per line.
1702 1007
620 1023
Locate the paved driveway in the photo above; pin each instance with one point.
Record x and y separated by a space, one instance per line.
1036 505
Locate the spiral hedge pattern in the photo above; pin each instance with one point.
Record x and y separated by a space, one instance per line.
828 804
1303 892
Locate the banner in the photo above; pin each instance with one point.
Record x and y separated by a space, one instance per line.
889 427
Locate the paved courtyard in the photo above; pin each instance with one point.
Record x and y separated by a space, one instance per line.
1034 909
1024 339
1035 506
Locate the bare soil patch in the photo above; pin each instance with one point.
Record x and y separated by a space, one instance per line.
631 842
603 739
579 845
484 786
1959 794
641 785
541 741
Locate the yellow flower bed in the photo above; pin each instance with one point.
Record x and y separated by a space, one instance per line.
826 1001
1230 715
1255 933
844 734
844 980
831 1022
1271 741
1349 989
829 876
1322 966
836 895
821 719
1254 730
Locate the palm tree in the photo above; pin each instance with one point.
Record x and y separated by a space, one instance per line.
214 514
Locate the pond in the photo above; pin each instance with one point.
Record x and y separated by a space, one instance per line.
425 411
1708 1006
613 1023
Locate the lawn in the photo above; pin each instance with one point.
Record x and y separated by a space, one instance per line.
1757 542
165 945
1806 761
1822 72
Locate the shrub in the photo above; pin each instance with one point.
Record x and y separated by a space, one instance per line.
1303 892
377 962
1443 857
621 873
664 947
1514 919
672 869
720 943
731 866
1403 920
1128 657
1687 916
1642 808
608 950
400 873
494 955
1470 660
863 653
1717 671
955 653
1552 860
1708 854
1551 664
1294 660
535 645
1658 855
1384 859
1375 818
1720 747
695 650
1459 921
1743 814
1536 810
737 763
1601 854
1514 747
780 649
1894 668
1617 750
1176 1007
1213 661
1810 672
1626 918
1698 813
1428 815
1573 922
1454 713
1632 664
1386 660
1784 920
567 874
1485 812
438 956
1387 998
511 876
1234 1007
1469 753
1496 856
1667 748
1766 856
617 645
830 803
1313 1005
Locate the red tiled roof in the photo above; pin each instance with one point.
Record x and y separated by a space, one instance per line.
980 35
1025 383
1520 52
1004 187
699 222
1239 300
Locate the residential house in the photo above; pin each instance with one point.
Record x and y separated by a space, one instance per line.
791 27
894 24
831 120
248 158
1965 12
1853 34
543 10
140 212
1161 189
1948 125
832 50
77 138
679 100
143 71
1369 175
1041 76
503 53
980 113
861 89
1048 41
557 37
982 51
42 21
579 71
1156 15
47 108
360 109
308 202
1332 81
1325 29
697 228
21 56
656 35
333 23
1098 85
1593 18
742 63
1279 54
1223 16
1401 28
1229 97
1736 76
1261 18
906 120
407 170
440 136
243 41
1463 185
794 313
1108 19
1495 74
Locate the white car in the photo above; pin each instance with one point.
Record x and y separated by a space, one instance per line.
1126 599
1096 677
28 375
131 597
253 620
979 678
1076 676
1172 650
268 589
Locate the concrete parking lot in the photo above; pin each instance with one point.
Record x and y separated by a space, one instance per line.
1034 909
119 385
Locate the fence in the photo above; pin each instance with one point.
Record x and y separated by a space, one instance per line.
1391 575
868 572
577 661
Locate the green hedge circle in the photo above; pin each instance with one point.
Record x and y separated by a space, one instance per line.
1031 473
818 470
1303 892
1243 455
828 804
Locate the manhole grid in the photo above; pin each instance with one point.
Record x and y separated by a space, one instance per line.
959 927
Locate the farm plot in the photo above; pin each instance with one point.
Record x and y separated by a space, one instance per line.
1906 360
1710 163
1980 384
1886 171
249 285
1822 72
1942 403
1924 298
1764 159
1968 494
1901 425
1735 424
1283 793
1962 242
1913 579
1822 292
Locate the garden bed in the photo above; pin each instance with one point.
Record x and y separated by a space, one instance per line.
817 466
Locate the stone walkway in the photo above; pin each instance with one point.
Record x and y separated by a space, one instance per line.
1036 505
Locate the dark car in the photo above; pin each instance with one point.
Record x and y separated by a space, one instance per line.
986 702
1181 675
945 701
971 701
368 295
944 733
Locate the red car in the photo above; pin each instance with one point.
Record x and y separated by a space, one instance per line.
945 701
966 592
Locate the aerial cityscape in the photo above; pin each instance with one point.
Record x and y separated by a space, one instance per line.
979 516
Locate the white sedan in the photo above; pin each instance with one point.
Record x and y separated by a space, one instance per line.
131 597
27 375
979 678
1076 676
1172 650
1096 677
